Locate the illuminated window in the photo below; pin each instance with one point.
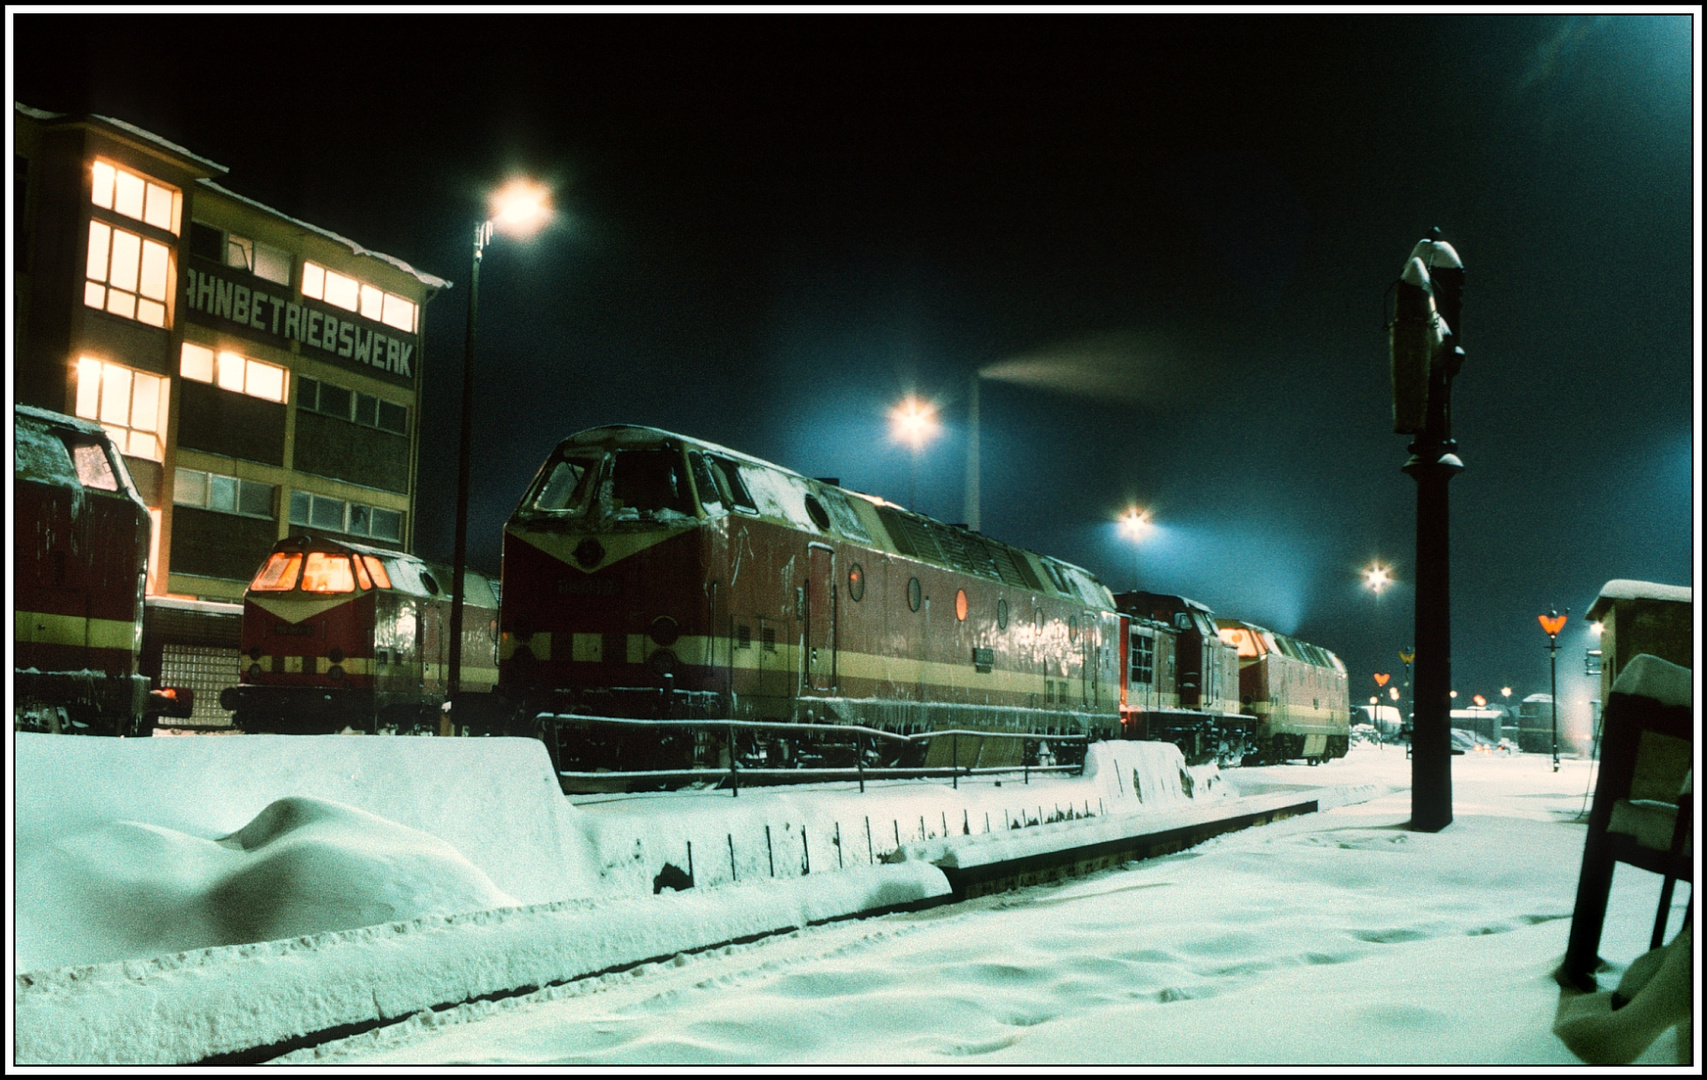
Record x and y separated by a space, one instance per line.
319 283
327 573
279 573
227 494
377 569
130 404
229 371
118 189
127 274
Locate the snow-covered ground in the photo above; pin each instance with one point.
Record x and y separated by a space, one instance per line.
224 889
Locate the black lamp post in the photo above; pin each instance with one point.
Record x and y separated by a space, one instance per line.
519 208
1426 355
1551 624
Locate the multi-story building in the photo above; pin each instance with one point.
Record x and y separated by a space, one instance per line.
261 374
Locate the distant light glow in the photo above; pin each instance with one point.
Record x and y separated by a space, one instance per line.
914 422
1597 628
1135 524
521 207
1377 578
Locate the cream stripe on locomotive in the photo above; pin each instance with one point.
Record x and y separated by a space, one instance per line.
850 666
296 610
42 628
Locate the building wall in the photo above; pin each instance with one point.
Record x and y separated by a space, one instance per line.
216 337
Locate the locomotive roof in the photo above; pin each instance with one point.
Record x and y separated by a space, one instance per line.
40 456
638 435
407 569
86 427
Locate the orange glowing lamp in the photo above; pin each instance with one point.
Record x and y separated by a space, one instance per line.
1480 701
1552 623
1381 678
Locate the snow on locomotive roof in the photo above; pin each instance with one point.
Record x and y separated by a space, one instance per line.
40 454
1625 589
786 500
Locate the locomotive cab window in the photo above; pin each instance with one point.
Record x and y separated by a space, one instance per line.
278 574
646 482
323 572
566 484
94 470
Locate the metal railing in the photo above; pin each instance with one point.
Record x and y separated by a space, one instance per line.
804 774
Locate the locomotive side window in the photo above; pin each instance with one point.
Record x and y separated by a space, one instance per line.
915 595
710 495
279 573
567 484
733 488
856 582
362 577
93 468
1002 614
377 569
326 573
1143 659
960 605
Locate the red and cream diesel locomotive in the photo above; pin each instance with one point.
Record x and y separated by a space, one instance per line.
650 575
339 636
80 536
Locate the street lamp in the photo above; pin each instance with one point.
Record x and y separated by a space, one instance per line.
517 209
1377 577
913 423
1135 525
1551 624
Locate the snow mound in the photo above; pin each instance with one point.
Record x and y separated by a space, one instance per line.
316 865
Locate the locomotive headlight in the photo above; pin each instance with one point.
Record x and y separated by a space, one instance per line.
335 673
665 630
254 672
661 663
335 654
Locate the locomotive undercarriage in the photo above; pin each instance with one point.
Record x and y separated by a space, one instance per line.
1225 740
81 703
311 710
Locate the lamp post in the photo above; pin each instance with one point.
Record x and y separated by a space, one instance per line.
1135 525
913 423
1551 624
517 209
1425 355
1505 692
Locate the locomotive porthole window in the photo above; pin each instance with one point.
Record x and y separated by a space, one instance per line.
856 582
1001 614
815 510
429 584
915 594
960 604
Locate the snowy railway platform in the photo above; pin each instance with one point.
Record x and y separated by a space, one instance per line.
234 899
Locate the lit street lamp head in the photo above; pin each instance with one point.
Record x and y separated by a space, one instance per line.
520 208
914 423
1377 578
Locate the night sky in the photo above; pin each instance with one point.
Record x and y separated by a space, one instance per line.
1164 240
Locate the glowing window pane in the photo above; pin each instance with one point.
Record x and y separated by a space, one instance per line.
278 574
157 209
128 194
327 573
144 445
94 295
145 403
88 388
115 394
100 242
362 578
399 313
154 265
120 303
197 363
313 280
372 301
103 189
239 251
127 252
231 371
265 381
377 569
341 290
151 312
